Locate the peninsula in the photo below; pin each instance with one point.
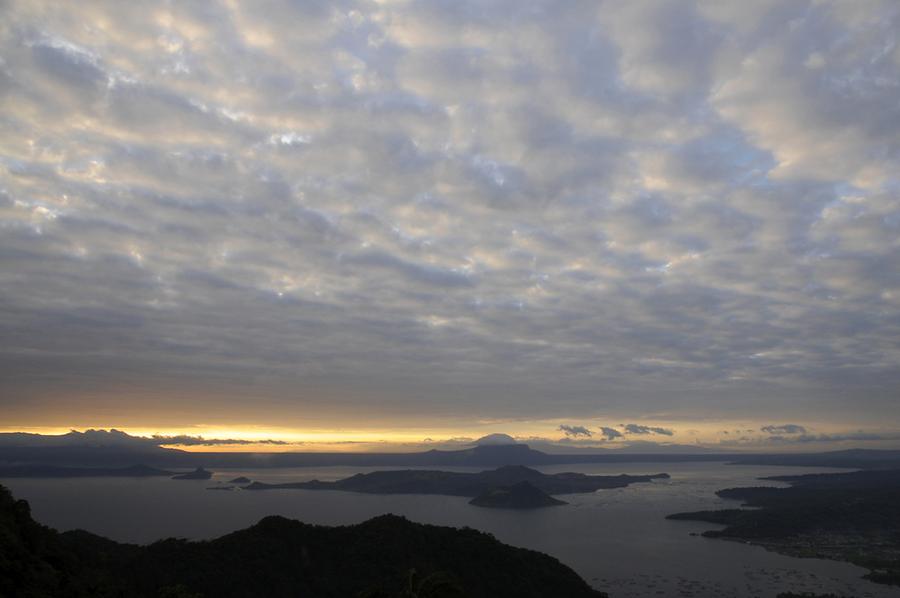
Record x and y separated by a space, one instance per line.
850 516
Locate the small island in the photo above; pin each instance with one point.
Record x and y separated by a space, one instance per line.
197 474
240 480
518 496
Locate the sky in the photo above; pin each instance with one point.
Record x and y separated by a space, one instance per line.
398 221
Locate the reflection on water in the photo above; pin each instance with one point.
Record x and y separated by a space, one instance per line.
617 539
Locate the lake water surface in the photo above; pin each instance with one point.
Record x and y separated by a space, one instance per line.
618 540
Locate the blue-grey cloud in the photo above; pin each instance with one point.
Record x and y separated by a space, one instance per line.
575 431
185 440
610 433
639 429
298 211
784 429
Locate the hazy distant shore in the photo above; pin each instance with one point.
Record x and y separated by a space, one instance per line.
118 456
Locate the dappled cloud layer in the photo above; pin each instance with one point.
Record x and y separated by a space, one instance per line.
343 212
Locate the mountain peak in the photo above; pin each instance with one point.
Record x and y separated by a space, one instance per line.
495 439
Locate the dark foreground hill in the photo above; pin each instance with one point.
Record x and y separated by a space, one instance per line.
384 557
852 516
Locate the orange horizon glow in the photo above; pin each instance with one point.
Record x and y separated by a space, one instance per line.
705 434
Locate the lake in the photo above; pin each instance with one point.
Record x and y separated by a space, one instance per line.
618 540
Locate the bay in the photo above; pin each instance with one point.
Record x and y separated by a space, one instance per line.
618 540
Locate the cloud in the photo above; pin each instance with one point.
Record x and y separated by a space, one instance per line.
825 438
447 277
184 440
458 209
819 98
639 429
575 431
784 429
610 433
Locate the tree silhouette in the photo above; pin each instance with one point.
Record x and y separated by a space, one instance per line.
435 585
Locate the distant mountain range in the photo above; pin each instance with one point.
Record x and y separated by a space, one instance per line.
100 448
478 456
851 458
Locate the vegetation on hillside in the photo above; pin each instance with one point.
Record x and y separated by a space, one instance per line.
385 557
844 516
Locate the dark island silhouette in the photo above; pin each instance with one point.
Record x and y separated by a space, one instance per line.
240 480
451 483
853 516
517 496
385 557
197 474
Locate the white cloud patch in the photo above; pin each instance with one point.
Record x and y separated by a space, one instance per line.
640 429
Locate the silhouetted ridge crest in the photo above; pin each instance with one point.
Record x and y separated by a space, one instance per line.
277 558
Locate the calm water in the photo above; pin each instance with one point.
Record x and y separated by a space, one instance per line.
618 540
